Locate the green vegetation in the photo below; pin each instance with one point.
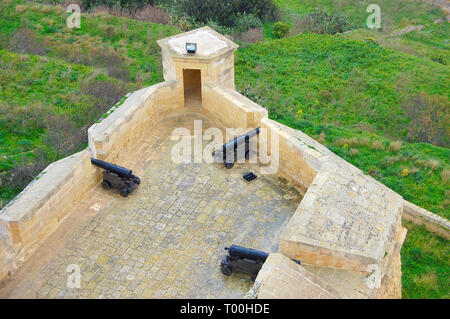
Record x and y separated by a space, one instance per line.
280 29
46 107
47 102
384 111
357 95
425 264
125 48
431 42
395 13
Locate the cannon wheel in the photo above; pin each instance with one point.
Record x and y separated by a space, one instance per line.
106 185
136 180
226 270
124 192
229 165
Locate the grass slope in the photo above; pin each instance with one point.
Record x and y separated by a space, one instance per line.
80 74
352 93
34 89
430 42
126 48
425 264
306 73
395 13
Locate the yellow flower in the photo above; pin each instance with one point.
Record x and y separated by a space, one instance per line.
299 113
346 146
404 172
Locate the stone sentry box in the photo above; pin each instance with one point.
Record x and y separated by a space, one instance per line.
213 61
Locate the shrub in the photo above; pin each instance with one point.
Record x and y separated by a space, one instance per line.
354 152
429 118
377 145
153 14
321 22
433 164
24 41
24 171
124 5
280 29
226 11
217 27
106 93
252 35
445 175
244 22
21 8
395 146
62 135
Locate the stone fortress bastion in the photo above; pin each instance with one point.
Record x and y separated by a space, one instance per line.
344 226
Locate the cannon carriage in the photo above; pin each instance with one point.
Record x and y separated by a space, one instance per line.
229 152
245 260
117 177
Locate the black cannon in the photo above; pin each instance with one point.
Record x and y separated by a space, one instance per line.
229 151
244 260
118 177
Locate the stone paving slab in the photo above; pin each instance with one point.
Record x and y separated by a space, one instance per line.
165 240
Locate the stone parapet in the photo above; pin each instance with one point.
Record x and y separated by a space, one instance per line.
113 136
346 220
282 278
421 216
230 108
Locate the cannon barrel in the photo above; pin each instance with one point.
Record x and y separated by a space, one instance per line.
257 255
241 139
119 170
242 252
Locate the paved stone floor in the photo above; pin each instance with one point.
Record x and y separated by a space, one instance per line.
165 240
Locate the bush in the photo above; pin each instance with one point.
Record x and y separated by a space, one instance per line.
124 5
323 23
62 135
24 171
252 35
217 27
280 29
429 118
244 22
106 95
153 14
226 11
24 41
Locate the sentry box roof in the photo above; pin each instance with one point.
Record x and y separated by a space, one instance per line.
210 44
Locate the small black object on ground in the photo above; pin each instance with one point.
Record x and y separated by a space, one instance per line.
117 177
248 177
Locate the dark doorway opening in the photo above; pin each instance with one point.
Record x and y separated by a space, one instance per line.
192 81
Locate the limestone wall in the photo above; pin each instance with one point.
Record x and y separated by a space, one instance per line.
230 108
41 206
282 278
432 222
9 252
298 161
112 137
